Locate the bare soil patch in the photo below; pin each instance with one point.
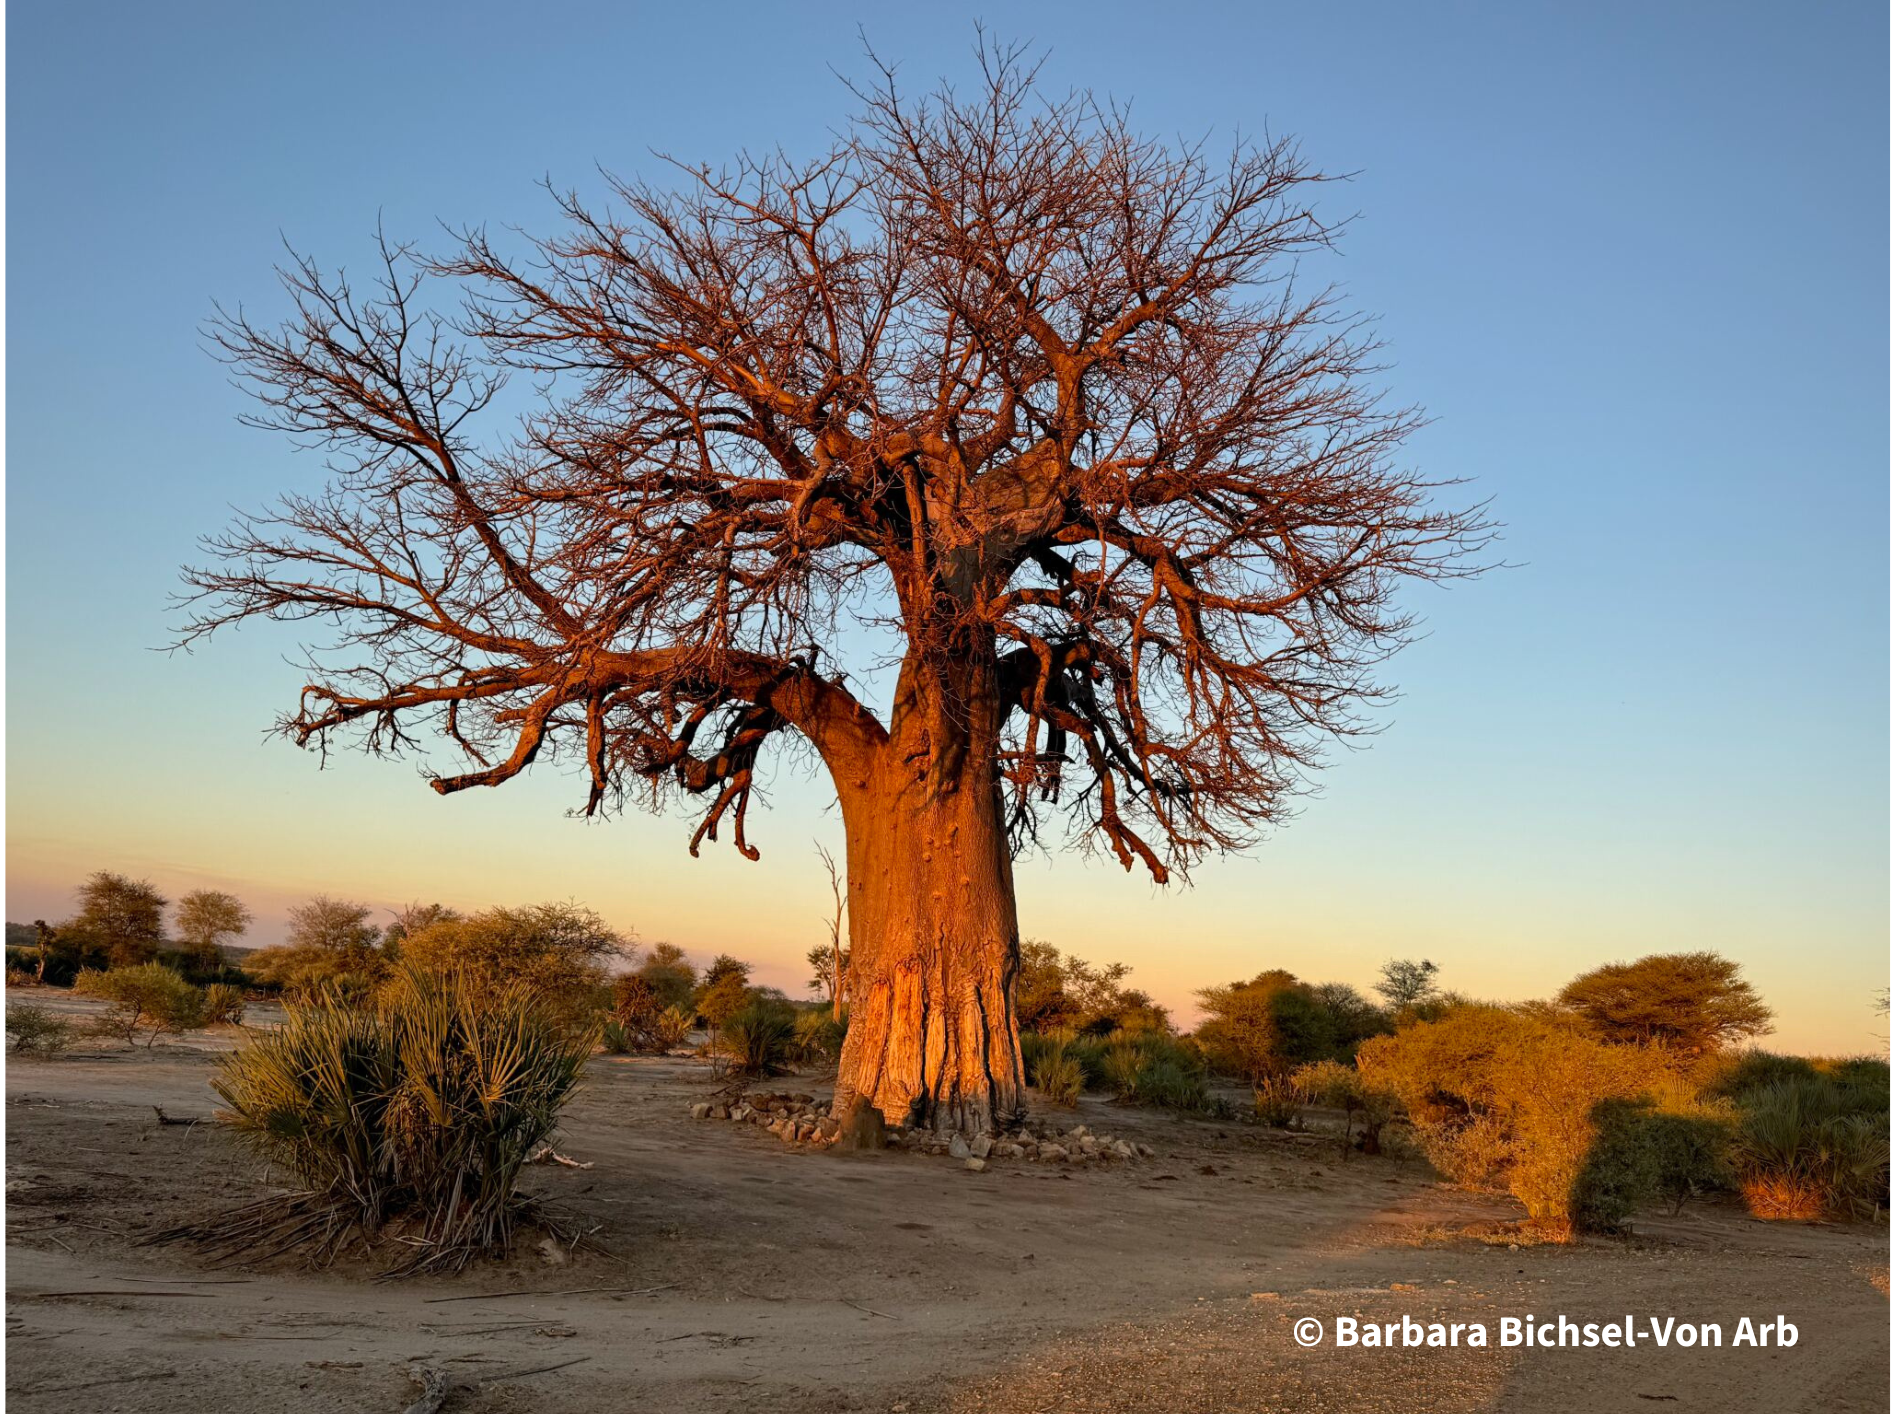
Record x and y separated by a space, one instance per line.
741 1273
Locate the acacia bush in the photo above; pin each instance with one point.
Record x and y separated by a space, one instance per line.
558 951
37 1031
148 998
1343 1088
1508 1098
410 1116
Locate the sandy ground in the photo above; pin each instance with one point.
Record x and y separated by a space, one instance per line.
745 1275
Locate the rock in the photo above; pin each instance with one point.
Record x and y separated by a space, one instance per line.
862 1130
1123 1150
801 1099
976 1165
1144 1151
719 1112
958 1147
1087 1144
982 1146
699 1111
1007 1150
829 1127
553 1254
1052 1153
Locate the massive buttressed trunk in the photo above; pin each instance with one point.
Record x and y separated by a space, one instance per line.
933 923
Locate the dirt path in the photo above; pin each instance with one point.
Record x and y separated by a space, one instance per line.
885 1282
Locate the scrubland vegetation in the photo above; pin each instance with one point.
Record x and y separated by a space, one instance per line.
433 1054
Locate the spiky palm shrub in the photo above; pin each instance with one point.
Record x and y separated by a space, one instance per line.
672 1028
1058 1076
758 1038
1803 1152
411 1117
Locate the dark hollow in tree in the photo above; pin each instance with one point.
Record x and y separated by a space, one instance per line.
1041 398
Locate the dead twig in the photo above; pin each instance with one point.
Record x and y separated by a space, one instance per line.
870 1311
187 1121
535 1370
574 1291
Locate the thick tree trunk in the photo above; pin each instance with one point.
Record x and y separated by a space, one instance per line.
933 924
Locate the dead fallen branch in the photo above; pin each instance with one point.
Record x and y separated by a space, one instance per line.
186 1121
433 1392
549 1155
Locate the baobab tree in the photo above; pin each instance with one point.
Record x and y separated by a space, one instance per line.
1037 398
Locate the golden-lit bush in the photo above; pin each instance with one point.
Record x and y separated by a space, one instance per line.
409 1117
1506 1098
1342 1087
557 951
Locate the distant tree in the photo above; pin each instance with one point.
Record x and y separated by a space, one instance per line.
721 966
1351 1018
1697 1001
1056 992
414 918
1405 983
206 919
721 996
560 951
669 974
329 940
120 921
1262 1029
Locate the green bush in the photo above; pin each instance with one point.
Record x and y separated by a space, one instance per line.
36 1031
818 1036
149 997
615 1039
223 1003
1058 1076
673 1027
1805 1148
414 1113
1642 1153
757 1038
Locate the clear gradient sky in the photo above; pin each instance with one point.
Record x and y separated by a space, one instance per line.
1632 258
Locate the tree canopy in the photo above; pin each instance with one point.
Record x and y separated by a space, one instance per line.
1694 1000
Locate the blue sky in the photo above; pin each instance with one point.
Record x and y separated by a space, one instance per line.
1631 258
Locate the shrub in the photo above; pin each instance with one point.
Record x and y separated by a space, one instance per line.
1260 1030
559 951
223 1004
1803 1150
818 1036
36 1031
1342 1087
757 1038
1058 1076
1507 1098
1642 1152
1694 1001
149 997
615 1039
416 1112
673 1027
1278 1102
20 977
